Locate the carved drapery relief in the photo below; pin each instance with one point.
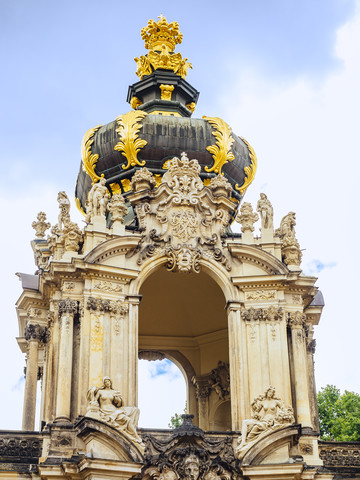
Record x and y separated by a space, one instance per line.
290 248
181 218
188 455
268 414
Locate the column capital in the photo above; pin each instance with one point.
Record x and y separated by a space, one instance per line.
133 299
35 333
232 306
67 306
296 319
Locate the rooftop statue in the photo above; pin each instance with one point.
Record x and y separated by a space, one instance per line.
98 200
266 211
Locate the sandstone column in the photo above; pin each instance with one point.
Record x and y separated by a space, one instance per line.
133 347
67 310
236 365
33 334
296 322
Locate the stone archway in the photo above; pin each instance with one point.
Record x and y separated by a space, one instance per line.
183 316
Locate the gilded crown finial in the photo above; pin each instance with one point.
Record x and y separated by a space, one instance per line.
160 39
157 34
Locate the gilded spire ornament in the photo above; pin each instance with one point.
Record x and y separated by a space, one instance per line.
160 39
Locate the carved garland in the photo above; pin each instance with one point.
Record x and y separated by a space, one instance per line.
130 143
221 151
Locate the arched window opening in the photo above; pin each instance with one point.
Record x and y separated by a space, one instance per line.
162 392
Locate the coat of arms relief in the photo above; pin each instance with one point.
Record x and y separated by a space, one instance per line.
182 218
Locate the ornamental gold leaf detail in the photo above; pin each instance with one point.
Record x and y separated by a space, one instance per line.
130 143
221 150
249 171
89 159
160 39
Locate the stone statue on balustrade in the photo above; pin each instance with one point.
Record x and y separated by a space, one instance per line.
266 212
98 199
106 404
290 248
268 414
247 217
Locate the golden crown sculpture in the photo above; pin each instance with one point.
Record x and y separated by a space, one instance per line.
160 39
156 34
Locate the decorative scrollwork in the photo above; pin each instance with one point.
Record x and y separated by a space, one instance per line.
130 143
89 159
221 151
250 170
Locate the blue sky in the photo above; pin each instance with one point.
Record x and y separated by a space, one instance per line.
285 75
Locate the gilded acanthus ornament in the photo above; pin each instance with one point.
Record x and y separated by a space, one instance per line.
41 225
290 248
130 143
89 159
221 150
266 212
247 217
160 39
268 413
98 198
117 208
106 404
249 171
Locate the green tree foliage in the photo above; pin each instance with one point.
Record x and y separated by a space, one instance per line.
176 420
339 415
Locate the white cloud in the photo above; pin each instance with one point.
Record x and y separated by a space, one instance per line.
306 138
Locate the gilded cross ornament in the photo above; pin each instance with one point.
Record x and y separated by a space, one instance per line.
89 159
160 39
130 143
221 150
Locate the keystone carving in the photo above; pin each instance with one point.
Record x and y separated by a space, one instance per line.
188 455
181 218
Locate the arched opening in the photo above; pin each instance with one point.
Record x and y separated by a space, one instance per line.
182 317
162 392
